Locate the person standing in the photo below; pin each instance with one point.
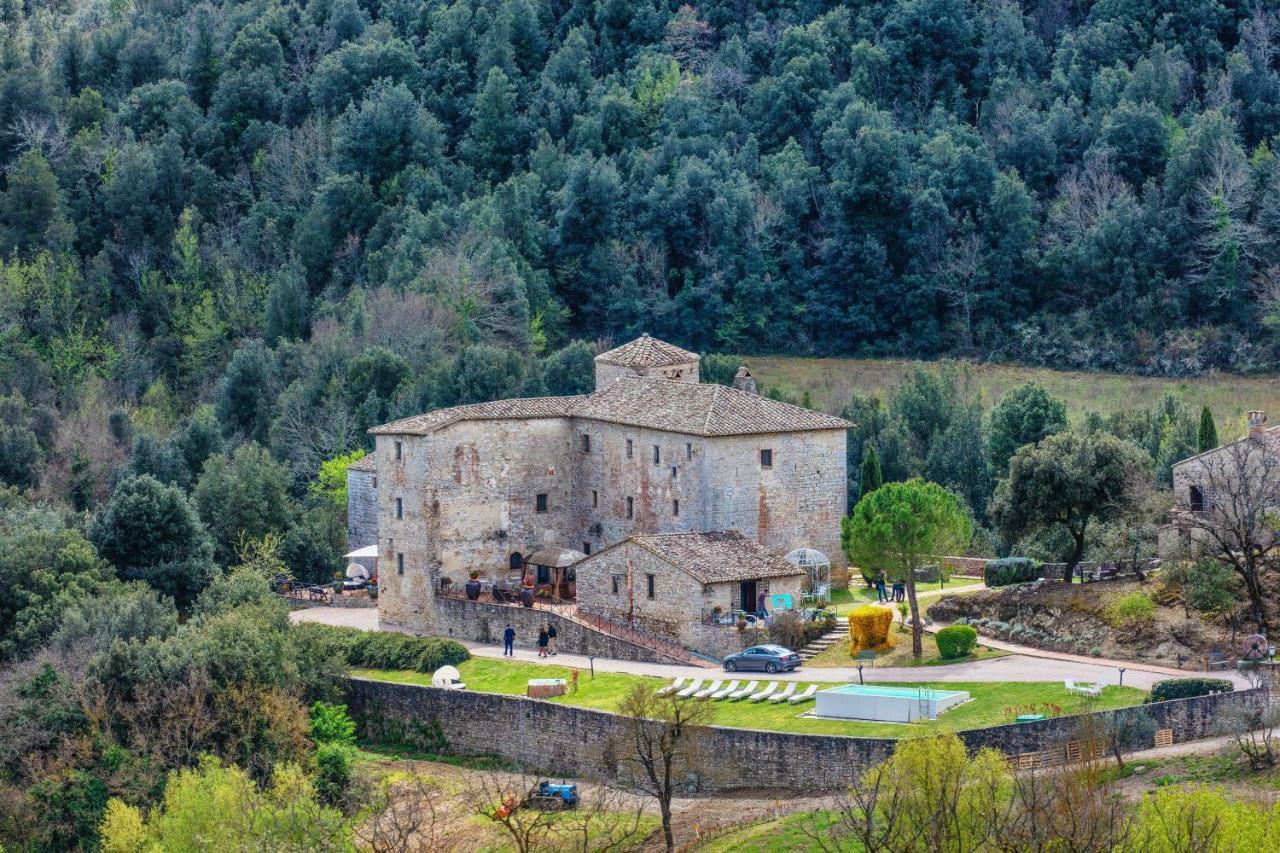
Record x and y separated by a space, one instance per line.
543 639
508 642
551 637
882 594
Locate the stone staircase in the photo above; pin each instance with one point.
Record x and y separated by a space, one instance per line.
838 634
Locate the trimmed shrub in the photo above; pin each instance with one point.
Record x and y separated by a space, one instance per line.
333 771
869 628
956 641
1132 609
382 649
1011 570
1186 688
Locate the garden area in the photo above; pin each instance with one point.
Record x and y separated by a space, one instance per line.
993 703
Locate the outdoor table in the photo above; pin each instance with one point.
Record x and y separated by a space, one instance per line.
545 688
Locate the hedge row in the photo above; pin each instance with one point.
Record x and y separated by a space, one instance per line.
1186 688
1010 570
383 649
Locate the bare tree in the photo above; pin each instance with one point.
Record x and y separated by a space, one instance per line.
660 746
1235 520
397 814
959 277
499 797
1253 729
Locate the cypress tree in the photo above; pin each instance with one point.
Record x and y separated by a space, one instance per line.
1208 438
870 479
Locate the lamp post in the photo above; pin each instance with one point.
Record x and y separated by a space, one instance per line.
1122 676
592 660
860 673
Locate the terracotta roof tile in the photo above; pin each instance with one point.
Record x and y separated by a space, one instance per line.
717 557
519 408
645 351
367 463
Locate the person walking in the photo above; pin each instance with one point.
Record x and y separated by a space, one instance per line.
508 642
882 594
551 638
543 639
899 591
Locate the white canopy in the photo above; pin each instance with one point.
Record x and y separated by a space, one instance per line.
366 551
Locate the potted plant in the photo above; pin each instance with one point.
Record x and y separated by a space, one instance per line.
373 591
473 587
337 581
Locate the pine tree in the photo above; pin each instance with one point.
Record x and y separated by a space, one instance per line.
870 478
1208 438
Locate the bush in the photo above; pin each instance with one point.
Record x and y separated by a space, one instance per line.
869 628
1132 609
382 650
956 641
1011 570
333 771
1186 688
332 724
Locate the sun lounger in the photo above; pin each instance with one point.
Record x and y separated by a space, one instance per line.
707 691
744 692
691 689
764 694
673 686
785 694
805 696
725 691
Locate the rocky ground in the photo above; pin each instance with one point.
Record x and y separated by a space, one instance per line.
1074 618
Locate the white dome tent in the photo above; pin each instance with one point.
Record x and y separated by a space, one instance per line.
818 567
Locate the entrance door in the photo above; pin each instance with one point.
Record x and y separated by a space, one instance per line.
747 595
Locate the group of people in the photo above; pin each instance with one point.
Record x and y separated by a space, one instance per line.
884 596
547 634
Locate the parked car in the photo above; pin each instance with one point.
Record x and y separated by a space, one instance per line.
766 658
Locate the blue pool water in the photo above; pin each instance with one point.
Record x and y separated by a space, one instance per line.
896 692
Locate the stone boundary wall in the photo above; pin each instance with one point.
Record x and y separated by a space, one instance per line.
483 622
353 601
566 741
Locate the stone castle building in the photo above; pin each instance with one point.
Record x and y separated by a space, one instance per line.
651 451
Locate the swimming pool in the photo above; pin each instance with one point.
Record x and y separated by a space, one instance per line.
885 704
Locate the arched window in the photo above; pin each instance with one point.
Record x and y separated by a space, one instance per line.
1196 499
517 561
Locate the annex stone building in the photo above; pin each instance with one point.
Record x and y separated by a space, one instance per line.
651 451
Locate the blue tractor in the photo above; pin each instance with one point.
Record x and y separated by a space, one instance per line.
553 796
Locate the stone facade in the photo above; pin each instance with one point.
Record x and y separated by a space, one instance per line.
362 507
587 743
476 488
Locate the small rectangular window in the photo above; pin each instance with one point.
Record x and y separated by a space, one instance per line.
766 458
399 564
651 581
586 547
399 508
675 508
631 507
399 451
375 482
540 502
688 450
675 473
631 450
595 498
617 585
657 455
586 443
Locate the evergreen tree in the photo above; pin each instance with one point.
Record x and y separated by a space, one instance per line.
870 478
1207 439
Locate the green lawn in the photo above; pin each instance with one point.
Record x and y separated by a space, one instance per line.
992 702
858 593
900 655
791 832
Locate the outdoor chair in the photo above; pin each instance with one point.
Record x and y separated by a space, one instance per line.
691 689
805 696
785 694
725 691
673 686
744 692
764 694
707 691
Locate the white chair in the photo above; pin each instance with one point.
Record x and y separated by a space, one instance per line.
764 694
785 694
744 692
725 691
805 696
691 689
707 691
1070 686
673 686
1091 690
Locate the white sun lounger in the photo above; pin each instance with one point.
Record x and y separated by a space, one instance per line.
707 691
805 696
744 692
691 689
785 694
673 686
725 691
764 694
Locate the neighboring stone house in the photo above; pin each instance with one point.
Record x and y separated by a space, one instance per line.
1238 480
652 450
362 506
686 585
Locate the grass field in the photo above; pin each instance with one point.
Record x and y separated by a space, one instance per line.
900 654
831 381
992 703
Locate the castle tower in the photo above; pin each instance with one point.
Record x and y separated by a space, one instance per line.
649 357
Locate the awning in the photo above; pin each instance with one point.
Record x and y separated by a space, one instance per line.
555 558
366 551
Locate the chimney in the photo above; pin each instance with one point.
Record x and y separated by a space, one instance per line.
743 382
1257 425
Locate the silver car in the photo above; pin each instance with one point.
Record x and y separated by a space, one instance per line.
763 658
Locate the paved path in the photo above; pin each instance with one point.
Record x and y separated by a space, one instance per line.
1025 665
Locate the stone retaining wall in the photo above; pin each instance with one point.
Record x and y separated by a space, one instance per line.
568 741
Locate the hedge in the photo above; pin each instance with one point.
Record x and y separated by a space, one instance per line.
1186 688
1010 570
382 649
869 627
956 641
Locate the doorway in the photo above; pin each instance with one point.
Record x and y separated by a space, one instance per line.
747 595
